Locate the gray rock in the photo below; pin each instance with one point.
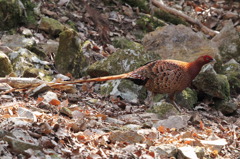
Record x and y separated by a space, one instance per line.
186 152
6 66
17 41
178 42
26 62
227 107
228 42
164 150
177 122
20 146
125 89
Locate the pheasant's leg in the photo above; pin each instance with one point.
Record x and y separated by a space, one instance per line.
172 97
149 100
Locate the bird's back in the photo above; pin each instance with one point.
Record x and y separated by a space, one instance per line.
163 76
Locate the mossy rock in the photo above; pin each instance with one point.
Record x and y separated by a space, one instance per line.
187 98
163 109
5 66
123 60
69 57
227 107
16 13
232 71
169 18
26 62
51 26
228 42
125 89
213 84
147 23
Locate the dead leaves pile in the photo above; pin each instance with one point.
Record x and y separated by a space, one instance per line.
40 127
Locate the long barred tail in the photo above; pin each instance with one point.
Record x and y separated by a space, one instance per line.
98 79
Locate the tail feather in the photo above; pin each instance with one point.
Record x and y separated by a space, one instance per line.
98 79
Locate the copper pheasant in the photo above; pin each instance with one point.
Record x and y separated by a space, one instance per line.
161 76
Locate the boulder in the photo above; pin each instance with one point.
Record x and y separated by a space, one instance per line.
13 13
28 64
179 43
212 84
228 42
124 89
232 70
69 57
6 66
16 41
123 60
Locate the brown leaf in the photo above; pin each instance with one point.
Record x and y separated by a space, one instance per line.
161 129
201 125
55 102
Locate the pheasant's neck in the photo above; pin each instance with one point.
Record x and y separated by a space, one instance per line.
194 68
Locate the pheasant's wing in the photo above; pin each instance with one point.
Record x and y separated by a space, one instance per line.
161 76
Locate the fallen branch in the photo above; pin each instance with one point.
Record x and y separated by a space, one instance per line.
192 21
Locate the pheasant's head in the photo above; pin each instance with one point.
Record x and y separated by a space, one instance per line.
195 66
205 59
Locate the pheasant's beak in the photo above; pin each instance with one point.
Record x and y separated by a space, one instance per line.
213 61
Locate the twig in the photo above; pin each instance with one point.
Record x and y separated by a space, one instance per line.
192 21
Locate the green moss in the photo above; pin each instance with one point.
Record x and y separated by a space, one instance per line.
124 43
72 25
187 98
15 13
232 71
163 109
106 88
215 85
5 67
148 24
169 17
69 57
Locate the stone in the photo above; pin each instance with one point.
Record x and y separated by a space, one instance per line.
26 62
179 42
163 109
227 107
125 89
6 66
213 84
123 60
69 57
187 98
187 152
17 41
232 70
164 150
14 13
51 26
228 42
129 137
177 121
